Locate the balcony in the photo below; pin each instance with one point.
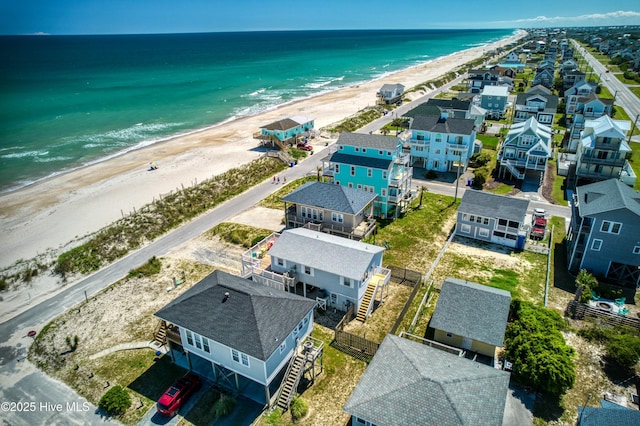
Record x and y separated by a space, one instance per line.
592 159
398 180
457 148
328 170
402 159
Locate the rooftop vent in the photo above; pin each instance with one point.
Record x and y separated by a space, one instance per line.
226 296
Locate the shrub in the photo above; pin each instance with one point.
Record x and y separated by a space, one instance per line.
586 282
624 350
299 408
152 267
481 159
224 405
115 401
480 177
541 358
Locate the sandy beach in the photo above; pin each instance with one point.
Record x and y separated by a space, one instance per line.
52 213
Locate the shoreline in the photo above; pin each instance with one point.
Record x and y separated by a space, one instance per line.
57 210
186 133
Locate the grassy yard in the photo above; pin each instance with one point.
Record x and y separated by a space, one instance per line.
489 142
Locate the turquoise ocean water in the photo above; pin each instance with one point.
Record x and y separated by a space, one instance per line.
68 101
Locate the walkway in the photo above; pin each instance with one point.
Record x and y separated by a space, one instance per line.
128 346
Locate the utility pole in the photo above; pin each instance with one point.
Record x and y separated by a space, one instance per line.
458 177
633 128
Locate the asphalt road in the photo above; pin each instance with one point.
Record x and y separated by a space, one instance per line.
622 95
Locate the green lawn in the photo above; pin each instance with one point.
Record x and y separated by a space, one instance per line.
489 142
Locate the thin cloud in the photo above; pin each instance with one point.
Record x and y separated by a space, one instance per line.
538 20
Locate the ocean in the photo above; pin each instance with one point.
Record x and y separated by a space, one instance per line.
69 101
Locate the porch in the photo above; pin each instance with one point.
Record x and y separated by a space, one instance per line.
256 264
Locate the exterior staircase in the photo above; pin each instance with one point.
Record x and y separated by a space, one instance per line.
291 380
513 169
160 336
367 299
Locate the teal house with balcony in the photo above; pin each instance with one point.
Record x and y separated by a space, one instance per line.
376 164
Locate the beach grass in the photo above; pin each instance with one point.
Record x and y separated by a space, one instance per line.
164 214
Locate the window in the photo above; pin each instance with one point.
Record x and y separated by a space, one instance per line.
483 232
485 221
189 338
357 149
384 174
279 261
610 227
337 217
478 219
596 245
283 346
472 218
380 152
465 217
239 357
449 335
198 341
353 170
359 186
383 192
369 172
347 282
465 228
308 270
636 250
205 345
337 166
350 184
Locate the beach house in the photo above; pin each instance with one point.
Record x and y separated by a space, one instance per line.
471 316
390 93
441 143
336 272
373 163
492 218
587 107
494 100
526 148
334 209
604 232
410 383
286 130
538 103
479 78
602 150
237 333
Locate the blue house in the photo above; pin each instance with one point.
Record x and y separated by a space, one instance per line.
237 333
336 272
286 130
441 143
373 163
494 100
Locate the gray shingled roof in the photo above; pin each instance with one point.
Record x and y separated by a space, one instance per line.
324 252
332 197
552 100
605 196
408 383
430 123
359 160
592 416
284 124
491 205
255 319
449 103
472 310
423 109
368 141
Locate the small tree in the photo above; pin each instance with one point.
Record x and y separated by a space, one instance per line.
587 283
224 405
115 401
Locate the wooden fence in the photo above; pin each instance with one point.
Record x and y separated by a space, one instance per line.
577 310
350 343
405 276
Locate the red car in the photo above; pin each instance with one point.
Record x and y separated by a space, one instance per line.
177 394
305 147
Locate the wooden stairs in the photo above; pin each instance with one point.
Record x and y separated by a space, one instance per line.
160 336
367 299
291 380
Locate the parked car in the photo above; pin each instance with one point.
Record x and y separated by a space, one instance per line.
305 147
538 224
177 394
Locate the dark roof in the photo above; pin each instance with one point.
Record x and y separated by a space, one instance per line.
605 196
358 160
430 123
368 141
284 124
255 319
332 197
423 109
491 205
551 104
408 383
450 103
591 416
472 310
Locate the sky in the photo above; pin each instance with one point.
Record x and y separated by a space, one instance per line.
181 16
